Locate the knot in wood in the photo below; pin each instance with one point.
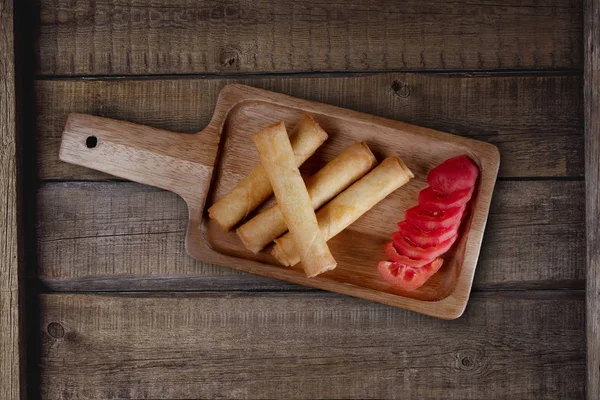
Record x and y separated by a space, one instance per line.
469 360
56 330
230 58
401 89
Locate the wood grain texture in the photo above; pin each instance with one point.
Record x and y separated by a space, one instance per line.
123 37
535 121
10 344
124 236
310 345
172 161
120 149
592 177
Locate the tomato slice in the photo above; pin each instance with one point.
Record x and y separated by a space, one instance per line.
458 173
393 255
427 238
405 276
427 220
409 249
431 200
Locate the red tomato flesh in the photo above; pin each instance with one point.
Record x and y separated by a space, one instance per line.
409 249
431 228
393 255
428 220
458 173
405 276
427 238
431 200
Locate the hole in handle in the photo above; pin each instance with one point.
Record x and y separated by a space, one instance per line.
91 142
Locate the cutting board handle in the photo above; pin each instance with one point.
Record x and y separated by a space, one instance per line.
180 163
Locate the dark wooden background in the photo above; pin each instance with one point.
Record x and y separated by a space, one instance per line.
125 313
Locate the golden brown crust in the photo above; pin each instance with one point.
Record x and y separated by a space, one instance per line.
254 189
349 166
349 205
277 157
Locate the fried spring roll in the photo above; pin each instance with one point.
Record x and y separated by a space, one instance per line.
277 157
253 190
349 166
349 205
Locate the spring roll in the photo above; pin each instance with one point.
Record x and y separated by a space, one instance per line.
349 166
349 205
277 157
253 190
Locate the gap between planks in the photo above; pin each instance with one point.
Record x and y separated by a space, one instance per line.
592 176
458 73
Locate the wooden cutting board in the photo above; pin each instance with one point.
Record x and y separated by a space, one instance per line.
202 167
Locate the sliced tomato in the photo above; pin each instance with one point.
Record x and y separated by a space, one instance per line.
393 255
458 173
427 238
405 276
431 200
409 249
427 220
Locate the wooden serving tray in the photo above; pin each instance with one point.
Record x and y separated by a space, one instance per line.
202 167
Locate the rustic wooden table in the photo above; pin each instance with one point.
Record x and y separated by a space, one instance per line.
112 307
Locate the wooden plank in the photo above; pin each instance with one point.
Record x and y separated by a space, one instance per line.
10 350
535 120
125 236
526 345
592 177
125 37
